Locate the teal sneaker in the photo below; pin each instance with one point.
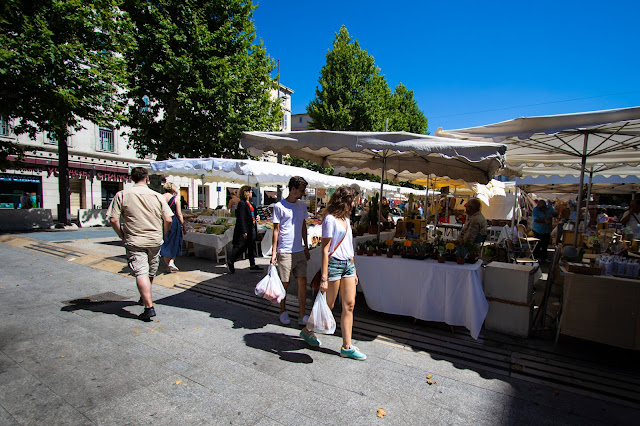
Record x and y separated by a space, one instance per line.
353 353
310 338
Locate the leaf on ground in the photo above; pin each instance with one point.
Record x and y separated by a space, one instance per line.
381 413
196 328
62 356
160 328
49 275
153 329
157 321
1 286
429 382
429 376
178 382
435 383
136 332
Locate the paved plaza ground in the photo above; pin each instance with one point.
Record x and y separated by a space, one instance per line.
73 352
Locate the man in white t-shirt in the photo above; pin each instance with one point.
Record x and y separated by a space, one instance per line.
631 218
290 251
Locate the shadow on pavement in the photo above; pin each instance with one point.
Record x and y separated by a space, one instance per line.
111 307
284 346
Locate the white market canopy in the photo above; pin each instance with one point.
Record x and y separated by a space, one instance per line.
252 172
604 139
397 153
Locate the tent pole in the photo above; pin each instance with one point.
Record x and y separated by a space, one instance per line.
582 167
384 167
515 205
586 212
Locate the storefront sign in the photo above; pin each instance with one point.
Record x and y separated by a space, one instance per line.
5 177
87 174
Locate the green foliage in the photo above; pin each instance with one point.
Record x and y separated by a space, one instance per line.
351 94
197 80
404 114
59 64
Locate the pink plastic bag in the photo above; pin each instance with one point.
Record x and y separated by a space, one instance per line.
270 287
321 319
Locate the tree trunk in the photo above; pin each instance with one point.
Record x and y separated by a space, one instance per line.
64 214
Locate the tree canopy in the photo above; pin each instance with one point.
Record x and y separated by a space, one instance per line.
353 95
196 78
59 65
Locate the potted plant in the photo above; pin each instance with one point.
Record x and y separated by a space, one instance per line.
369 249
473 250
441 251
450 247
461 253
389 247
361 228
360 249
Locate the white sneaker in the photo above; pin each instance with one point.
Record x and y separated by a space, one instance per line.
304 320
284 318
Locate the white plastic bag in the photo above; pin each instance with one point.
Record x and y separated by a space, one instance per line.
270 287
321 319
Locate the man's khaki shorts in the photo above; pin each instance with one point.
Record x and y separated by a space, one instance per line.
292 263
143 261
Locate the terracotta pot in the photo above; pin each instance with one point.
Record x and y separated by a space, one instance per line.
373 229
369 252
359 252
441 259
360 232
389 254
460 260
379 252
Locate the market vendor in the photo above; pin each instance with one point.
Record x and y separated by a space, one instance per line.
631 216
542 226
475 224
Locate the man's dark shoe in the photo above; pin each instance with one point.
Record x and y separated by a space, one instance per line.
147 314
231 268
140 302
256 268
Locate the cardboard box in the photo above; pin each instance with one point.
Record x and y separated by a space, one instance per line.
510 282
509 318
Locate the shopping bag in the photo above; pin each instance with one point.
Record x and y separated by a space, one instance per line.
321 319
270 287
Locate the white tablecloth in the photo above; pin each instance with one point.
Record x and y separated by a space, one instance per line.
425 289
210 240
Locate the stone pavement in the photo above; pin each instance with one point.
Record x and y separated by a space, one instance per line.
72 352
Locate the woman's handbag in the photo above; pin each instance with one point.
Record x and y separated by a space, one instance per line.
315 282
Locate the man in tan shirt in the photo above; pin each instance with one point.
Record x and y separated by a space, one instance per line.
475 224
145 215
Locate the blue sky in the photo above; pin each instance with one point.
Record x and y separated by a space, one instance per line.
469 63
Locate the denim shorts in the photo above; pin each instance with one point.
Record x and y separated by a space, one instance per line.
340 269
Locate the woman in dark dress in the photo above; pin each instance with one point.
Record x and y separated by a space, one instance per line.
172 245
245 232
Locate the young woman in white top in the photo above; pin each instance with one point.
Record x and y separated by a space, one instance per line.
338 270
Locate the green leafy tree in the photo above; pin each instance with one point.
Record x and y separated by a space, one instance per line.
59 66
351 94
197 80
404 114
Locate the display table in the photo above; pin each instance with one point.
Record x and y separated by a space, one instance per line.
425 289
313 265
210 245
603 309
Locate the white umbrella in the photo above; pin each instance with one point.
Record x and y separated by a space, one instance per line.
591 142
396 152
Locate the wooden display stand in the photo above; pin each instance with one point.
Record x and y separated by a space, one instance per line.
567 238
603 309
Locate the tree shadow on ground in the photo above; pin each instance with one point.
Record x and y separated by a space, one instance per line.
284 346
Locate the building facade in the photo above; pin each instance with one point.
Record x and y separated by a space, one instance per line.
99 166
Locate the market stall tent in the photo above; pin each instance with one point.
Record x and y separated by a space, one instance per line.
592 141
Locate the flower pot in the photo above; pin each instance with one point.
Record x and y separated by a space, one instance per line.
441 259
389 254
369 252
460 260
359 252
379 252
471 259
360 232
373 229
